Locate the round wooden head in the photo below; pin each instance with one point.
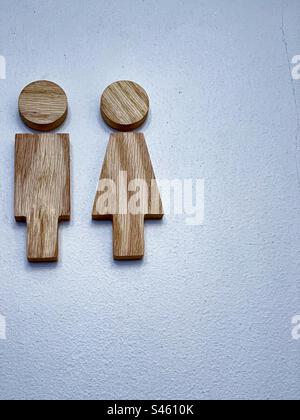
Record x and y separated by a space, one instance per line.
43 105
124 106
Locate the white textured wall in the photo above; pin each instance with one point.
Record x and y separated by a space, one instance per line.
208 313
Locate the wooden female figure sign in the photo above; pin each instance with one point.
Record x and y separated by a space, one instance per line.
42 169
127 193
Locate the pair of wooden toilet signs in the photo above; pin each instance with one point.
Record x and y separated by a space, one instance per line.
42 170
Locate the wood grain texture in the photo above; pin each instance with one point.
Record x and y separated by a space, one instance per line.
42 190
124 106
43 105
127 153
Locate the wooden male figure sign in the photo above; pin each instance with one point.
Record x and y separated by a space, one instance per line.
127 193
42 169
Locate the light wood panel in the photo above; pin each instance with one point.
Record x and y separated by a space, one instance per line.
124 106
43 105
42 190
127 153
